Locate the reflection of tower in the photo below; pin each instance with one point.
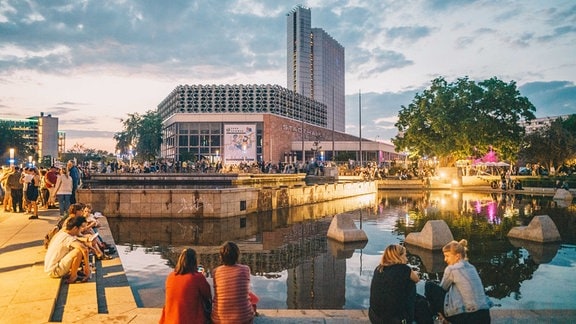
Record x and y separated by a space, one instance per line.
317 284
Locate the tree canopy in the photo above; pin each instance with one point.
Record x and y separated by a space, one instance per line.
142 134
464 119
551 146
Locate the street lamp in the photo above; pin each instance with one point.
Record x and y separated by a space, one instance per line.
11 157
130 156
29 160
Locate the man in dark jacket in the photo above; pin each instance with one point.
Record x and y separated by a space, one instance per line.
75 175
16 187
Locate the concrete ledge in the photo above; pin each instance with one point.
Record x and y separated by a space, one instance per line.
343 229
541 229
433 236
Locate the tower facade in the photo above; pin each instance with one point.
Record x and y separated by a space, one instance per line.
315 65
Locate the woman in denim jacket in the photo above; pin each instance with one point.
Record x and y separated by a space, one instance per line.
460 298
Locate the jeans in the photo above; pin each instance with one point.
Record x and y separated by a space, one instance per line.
63 204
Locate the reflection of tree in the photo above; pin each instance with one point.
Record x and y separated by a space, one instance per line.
501 266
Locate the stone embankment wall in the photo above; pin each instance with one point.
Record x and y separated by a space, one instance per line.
215 203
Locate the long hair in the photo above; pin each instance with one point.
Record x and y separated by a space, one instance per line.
229 253
457 248
187 262
393 254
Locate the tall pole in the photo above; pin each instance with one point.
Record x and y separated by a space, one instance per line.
302 117
360 123
333 121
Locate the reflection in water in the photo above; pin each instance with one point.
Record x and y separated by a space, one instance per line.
295 266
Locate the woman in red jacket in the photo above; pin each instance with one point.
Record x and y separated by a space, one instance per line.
188 295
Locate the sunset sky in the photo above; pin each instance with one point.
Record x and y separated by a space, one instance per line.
92 62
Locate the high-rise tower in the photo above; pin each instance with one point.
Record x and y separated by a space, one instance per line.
315 65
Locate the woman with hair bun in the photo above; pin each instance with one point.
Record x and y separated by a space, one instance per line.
393 288
188 294
460 297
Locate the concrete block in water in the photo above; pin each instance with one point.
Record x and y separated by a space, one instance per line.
563 194
343 229
540 229
433 236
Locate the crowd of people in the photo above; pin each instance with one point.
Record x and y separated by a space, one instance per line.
28 189
458 298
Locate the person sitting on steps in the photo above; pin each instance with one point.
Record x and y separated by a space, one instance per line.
66 253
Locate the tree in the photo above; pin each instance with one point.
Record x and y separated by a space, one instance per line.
551 146
142 133
456 120
9 138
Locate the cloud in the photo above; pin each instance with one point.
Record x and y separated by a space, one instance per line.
553 98
410 33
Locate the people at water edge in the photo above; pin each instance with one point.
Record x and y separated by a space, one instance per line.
460 297
74 173
393 288
16 190
64 185
101 248
85 235
233 300
65 253
188 294
32 192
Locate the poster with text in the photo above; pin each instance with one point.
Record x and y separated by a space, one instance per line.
239 144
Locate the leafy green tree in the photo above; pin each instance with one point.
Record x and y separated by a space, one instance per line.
551 146
9 138
142 134
457 120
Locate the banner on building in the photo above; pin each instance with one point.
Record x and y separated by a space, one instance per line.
239 144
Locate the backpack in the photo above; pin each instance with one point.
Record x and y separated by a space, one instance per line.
48 237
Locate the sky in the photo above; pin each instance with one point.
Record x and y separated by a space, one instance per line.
90 63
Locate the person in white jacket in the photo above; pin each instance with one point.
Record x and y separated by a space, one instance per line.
64 191
460 297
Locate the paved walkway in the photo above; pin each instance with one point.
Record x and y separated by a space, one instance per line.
28 295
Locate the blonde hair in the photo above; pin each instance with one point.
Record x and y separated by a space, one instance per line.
392 255
457 248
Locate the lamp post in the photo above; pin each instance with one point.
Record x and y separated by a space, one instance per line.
130 156
11 157
29 160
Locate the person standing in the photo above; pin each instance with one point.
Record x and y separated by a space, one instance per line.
32 192
231 288
460 297
74 172
7 201
188 294
16 190
50 179
393 288
64 191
